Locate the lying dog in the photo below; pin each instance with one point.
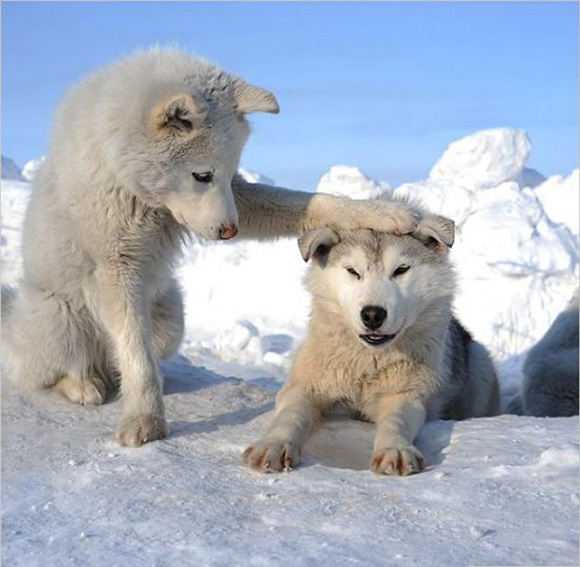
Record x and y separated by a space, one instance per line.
381 342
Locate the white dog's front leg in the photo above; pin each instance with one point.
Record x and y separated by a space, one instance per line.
267 212
399 419
280 447
126 314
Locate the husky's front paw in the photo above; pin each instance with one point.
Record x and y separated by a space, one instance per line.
399 462
136 430
271 456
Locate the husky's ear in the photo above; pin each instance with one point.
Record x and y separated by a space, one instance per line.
436 232
317 243
180 113
254 99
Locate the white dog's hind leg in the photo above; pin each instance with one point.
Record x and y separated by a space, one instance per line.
280 447
399 419
83 390
50 342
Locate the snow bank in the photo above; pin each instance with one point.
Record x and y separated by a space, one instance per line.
31 167
252 177
516 249
15 196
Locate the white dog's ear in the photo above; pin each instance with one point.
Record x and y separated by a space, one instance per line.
180 113
436 232
317 243
254 99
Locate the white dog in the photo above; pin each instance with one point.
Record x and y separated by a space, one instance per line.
142 152
381 342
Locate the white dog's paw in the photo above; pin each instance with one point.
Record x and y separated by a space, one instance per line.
402 218
84 391
398 462
136 430
271 456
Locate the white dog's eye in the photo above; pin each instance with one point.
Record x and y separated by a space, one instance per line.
204 177
401 270
353 272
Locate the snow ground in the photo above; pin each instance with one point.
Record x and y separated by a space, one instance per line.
501 491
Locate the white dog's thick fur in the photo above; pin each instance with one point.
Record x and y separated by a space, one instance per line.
381 342
142 152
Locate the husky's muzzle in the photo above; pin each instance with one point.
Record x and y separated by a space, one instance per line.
374 339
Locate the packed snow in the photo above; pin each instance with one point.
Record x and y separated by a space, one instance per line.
498 491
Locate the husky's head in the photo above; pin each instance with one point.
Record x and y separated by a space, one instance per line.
191 129
379 284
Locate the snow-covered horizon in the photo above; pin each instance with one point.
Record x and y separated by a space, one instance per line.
497 491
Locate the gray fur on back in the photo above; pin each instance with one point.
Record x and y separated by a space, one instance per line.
550 384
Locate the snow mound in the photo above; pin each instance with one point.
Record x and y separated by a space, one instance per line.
560 197
14 197
10 170
349 181
484 159
529 178
252 177
31 168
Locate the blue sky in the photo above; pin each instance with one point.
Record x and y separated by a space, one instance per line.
382 85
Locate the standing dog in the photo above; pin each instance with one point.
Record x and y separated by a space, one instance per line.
143 152
382 342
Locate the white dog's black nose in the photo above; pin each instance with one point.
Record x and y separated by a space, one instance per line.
373 316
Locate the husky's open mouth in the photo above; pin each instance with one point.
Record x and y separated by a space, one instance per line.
376 340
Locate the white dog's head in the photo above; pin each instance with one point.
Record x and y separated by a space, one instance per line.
187 130
377 283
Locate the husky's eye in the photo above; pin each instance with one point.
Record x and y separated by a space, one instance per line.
353 272
401 270
204 177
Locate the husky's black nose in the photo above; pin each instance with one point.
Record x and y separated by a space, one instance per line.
373 316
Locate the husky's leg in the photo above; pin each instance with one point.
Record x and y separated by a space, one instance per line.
399 419
280 447
125 308
168 322
51 341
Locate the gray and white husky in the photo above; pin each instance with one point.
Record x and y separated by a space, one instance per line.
143 152
381 342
